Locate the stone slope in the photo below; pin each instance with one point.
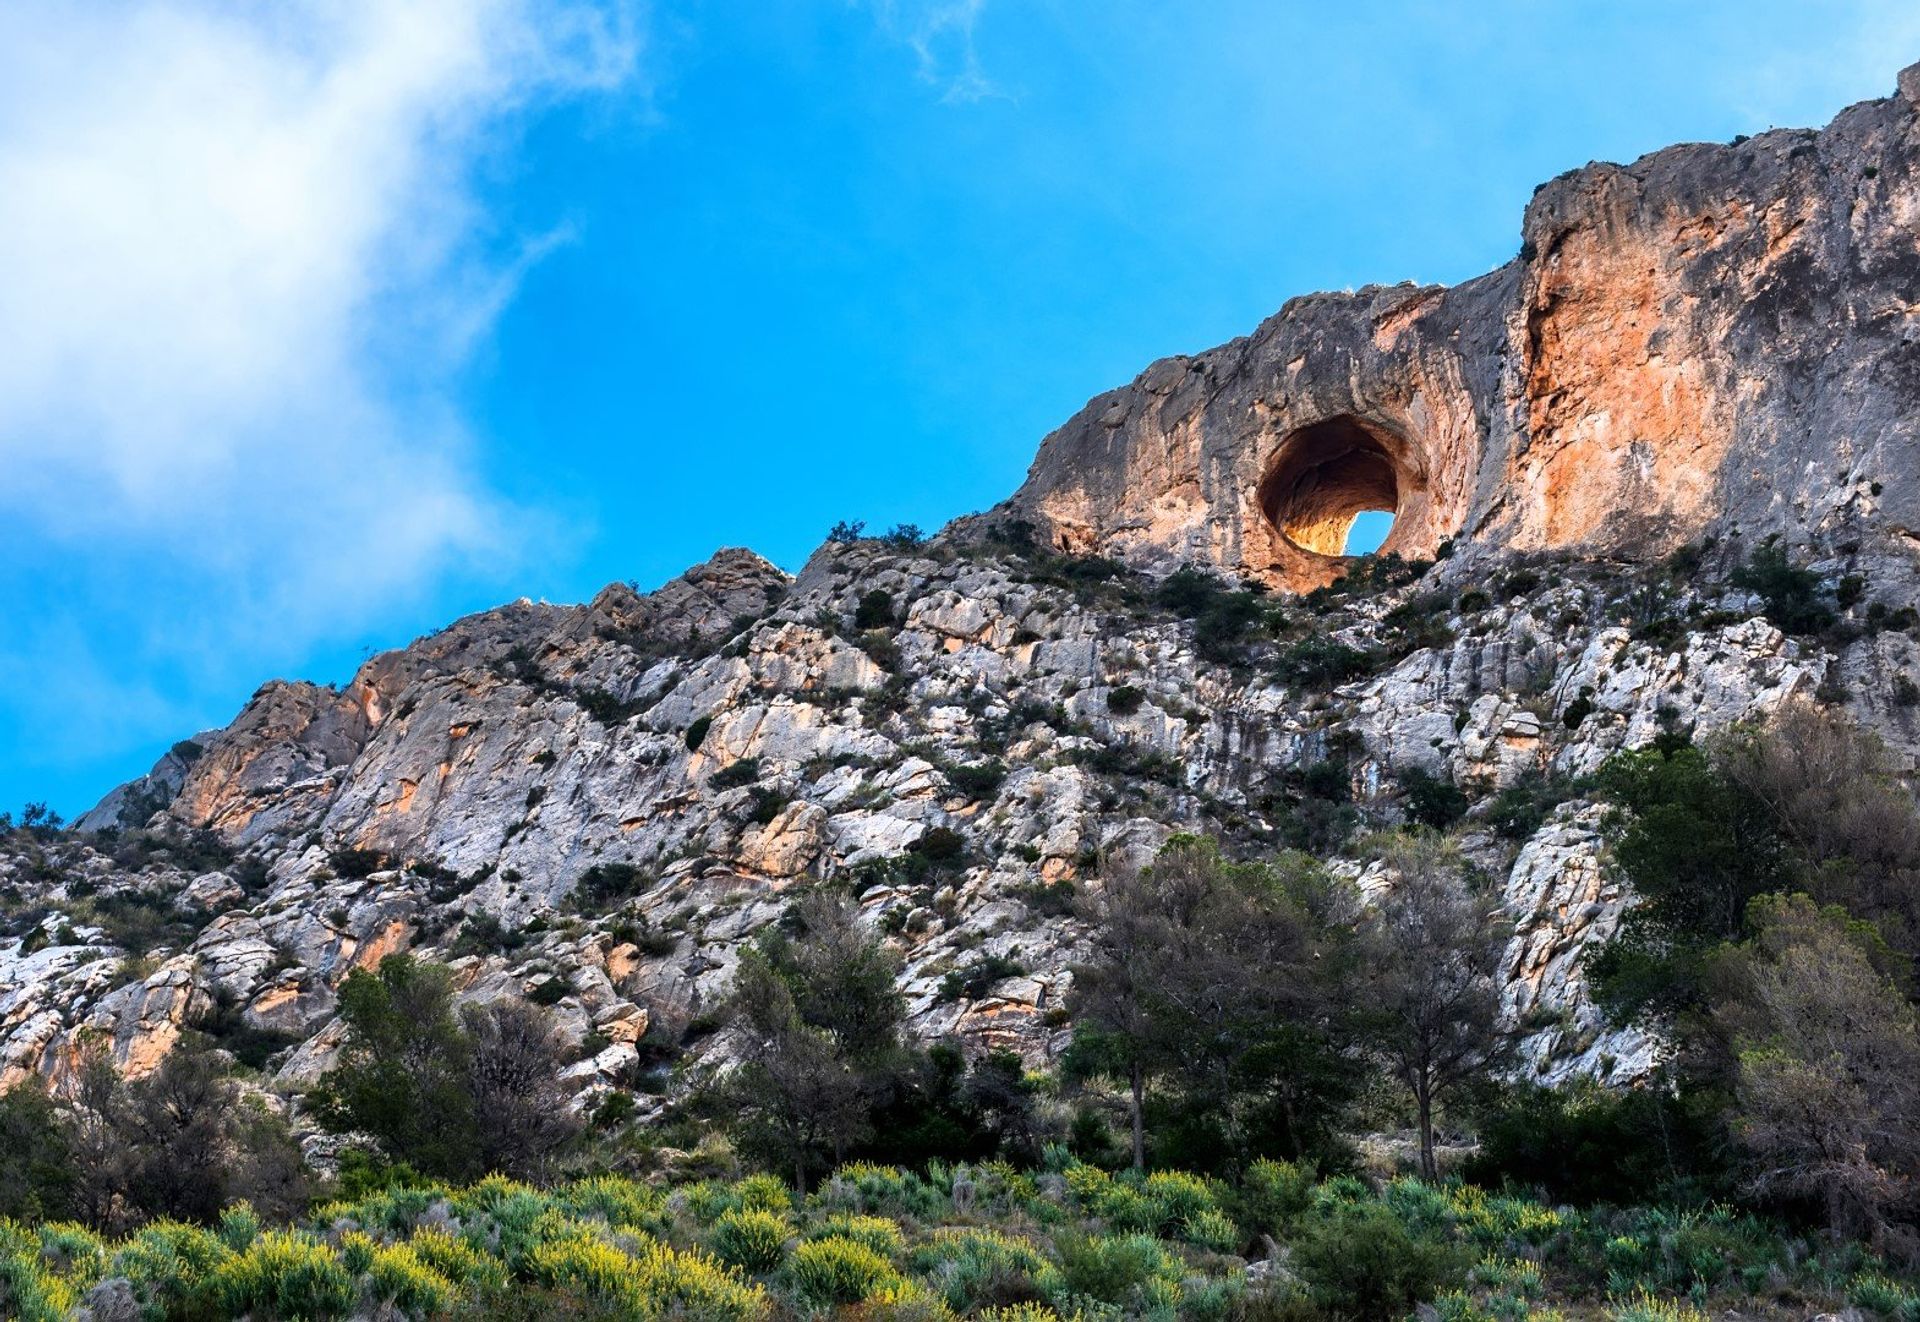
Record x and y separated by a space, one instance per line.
465 796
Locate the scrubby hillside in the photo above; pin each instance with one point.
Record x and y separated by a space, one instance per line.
573 802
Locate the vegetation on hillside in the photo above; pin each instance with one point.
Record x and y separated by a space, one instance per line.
1066 1240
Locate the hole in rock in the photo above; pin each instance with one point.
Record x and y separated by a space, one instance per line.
1334 488
1369 530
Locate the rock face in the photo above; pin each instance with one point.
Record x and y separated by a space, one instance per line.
1714 340
597 806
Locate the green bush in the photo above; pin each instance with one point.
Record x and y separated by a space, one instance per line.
400 1276
1321 663
873 1232
1134 1272
1432 801
284 1274
697 733
1272 1197
744 772
978 780
1360 1263
1211 1230
1125 700
753 1241
1885 1296
1791 594
825 1273
875 610
977 1269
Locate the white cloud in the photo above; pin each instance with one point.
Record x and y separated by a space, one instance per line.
240 257
940 34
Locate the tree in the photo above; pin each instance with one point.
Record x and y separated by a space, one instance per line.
451 1096
1432 950
1696 847
841 976
181 1142
520 1107
1224 981
1848 822
794 1096
402 1073
1109 998
36 1175
1828 1074
1807 802
816 1017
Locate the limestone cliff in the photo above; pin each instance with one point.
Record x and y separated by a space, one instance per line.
1717 340
597 805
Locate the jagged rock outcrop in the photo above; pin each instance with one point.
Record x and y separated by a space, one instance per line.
1716 340
599 805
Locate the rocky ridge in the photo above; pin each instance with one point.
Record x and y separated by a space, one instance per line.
596 806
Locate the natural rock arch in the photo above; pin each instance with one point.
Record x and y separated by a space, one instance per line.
1322 476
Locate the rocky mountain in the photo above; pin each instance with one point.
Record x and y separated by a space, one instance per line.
595 806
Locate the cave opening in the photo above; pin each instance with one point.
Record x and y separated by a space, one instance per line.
1335 488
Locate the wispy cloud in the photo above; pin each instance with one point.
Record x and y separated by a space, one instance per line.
242 257
940 35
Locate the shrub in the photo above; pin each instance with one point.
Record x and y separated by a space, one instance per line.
456 1260
170 1264
1273 1196
1221 616
1516 812
1646 1308
1885 1296
26 1290
697 732
606 884
1359 1263
978 978
1125 700
1791 594
824 1273
72 1251
744 772
754 1241
1321 663
763 1193
619 1201
398 1275
874 1232
1432 801
357 863
1211 1230
978 780
1128 1271
874 611
975 1269
942 844
846 531
283 1273
651 1281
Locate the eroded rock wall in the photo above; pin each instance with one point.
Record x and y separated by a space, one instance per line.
1716 340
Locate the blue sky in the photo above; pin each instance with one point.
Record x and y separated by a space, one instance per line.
322 324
